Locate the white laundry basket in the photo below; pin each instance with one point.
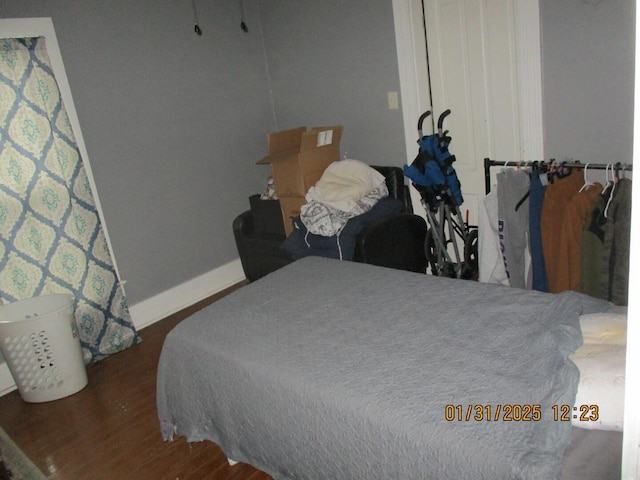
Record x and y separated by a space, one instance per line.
39 340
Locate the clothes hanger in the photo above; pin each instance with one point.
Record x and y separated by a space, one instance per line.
606 209
614 182
552 171
562 171
607 182
548 169
526 195
587 183
623 168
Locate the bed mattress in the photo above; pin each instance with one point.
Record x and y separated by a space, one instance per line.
329 369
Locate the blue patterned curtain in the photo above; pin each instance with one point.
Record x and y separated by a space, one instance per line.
51 238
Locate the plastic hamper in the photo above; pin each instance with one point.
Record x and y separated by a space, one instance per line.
39 340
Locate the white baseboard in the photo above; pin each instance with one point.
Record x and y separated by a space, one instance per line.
164 304
186 294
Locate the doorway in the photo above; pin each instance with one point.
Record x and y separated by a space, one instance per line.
484 63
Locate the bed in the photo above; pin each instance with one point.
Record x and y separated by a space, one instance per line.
328 369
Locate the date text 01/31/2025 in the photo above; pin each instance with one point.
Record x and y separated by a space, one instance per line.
519 413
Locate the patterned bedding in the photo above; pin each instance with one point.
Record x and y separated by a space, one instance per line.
328 369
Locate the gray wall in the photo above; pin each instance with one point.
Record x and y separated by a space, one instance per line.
174 122
333 62
588 79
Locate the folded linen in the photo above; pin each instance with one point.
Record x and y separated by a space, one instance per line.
343 183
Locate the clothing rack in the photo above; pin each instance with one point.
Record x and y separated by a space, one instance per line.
488 163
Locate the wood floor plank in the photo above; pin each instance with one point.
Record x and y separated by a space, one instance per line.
110 429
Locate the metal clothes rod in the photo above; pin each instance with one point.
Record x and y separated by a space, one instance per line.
488 163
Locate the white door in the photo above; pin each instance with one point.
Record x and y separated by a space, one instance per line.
483 65
471 52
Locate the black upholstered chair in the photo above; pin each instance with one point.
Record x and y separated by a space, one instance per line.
395 241
259 233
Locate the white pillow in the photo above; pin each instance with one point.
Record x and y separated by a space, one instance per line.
601 361
608 327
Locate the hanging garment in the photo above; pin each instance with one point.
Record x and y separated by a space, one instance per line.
537 190
576 214
556 199
592 270
513 225
617 242
490 263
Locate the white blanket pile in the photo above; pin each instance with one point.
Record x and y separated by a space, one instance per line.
346 189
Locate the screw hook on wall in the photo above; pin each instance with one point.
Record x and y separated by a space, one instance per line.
243 25
196 27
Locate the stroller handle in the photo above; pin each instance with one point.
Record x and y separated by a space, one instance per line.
441 118
420 120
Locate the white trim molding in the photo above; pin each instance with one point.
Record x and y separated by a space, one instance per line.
411 48
170 301
529 55
631 428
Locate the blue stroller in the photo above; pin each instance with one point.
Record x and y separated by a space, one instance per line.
433 176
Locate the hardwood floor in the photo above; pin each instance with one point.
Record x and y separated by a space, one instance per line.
110 430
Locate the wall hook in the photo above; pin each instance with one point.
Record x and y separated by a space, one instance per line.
196 27
243 25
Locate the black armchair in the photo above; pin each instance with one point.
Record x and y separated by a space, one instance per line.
259 233
395 241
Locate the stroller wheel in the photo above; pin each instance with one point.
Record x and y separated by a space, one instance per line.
471 253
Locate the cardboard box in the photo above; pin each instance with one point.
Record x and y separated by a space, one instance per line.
298 158
290 207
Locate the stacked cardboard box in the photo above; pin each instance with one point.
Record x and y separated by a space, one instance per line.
298 159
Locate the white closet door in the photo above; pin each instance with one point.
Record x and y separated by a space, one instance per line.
480 63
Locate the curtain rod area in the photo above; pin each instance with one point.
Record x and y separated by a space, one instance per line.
488 163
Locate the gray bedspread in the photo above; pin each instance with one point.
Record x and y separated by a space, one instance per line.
338 370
